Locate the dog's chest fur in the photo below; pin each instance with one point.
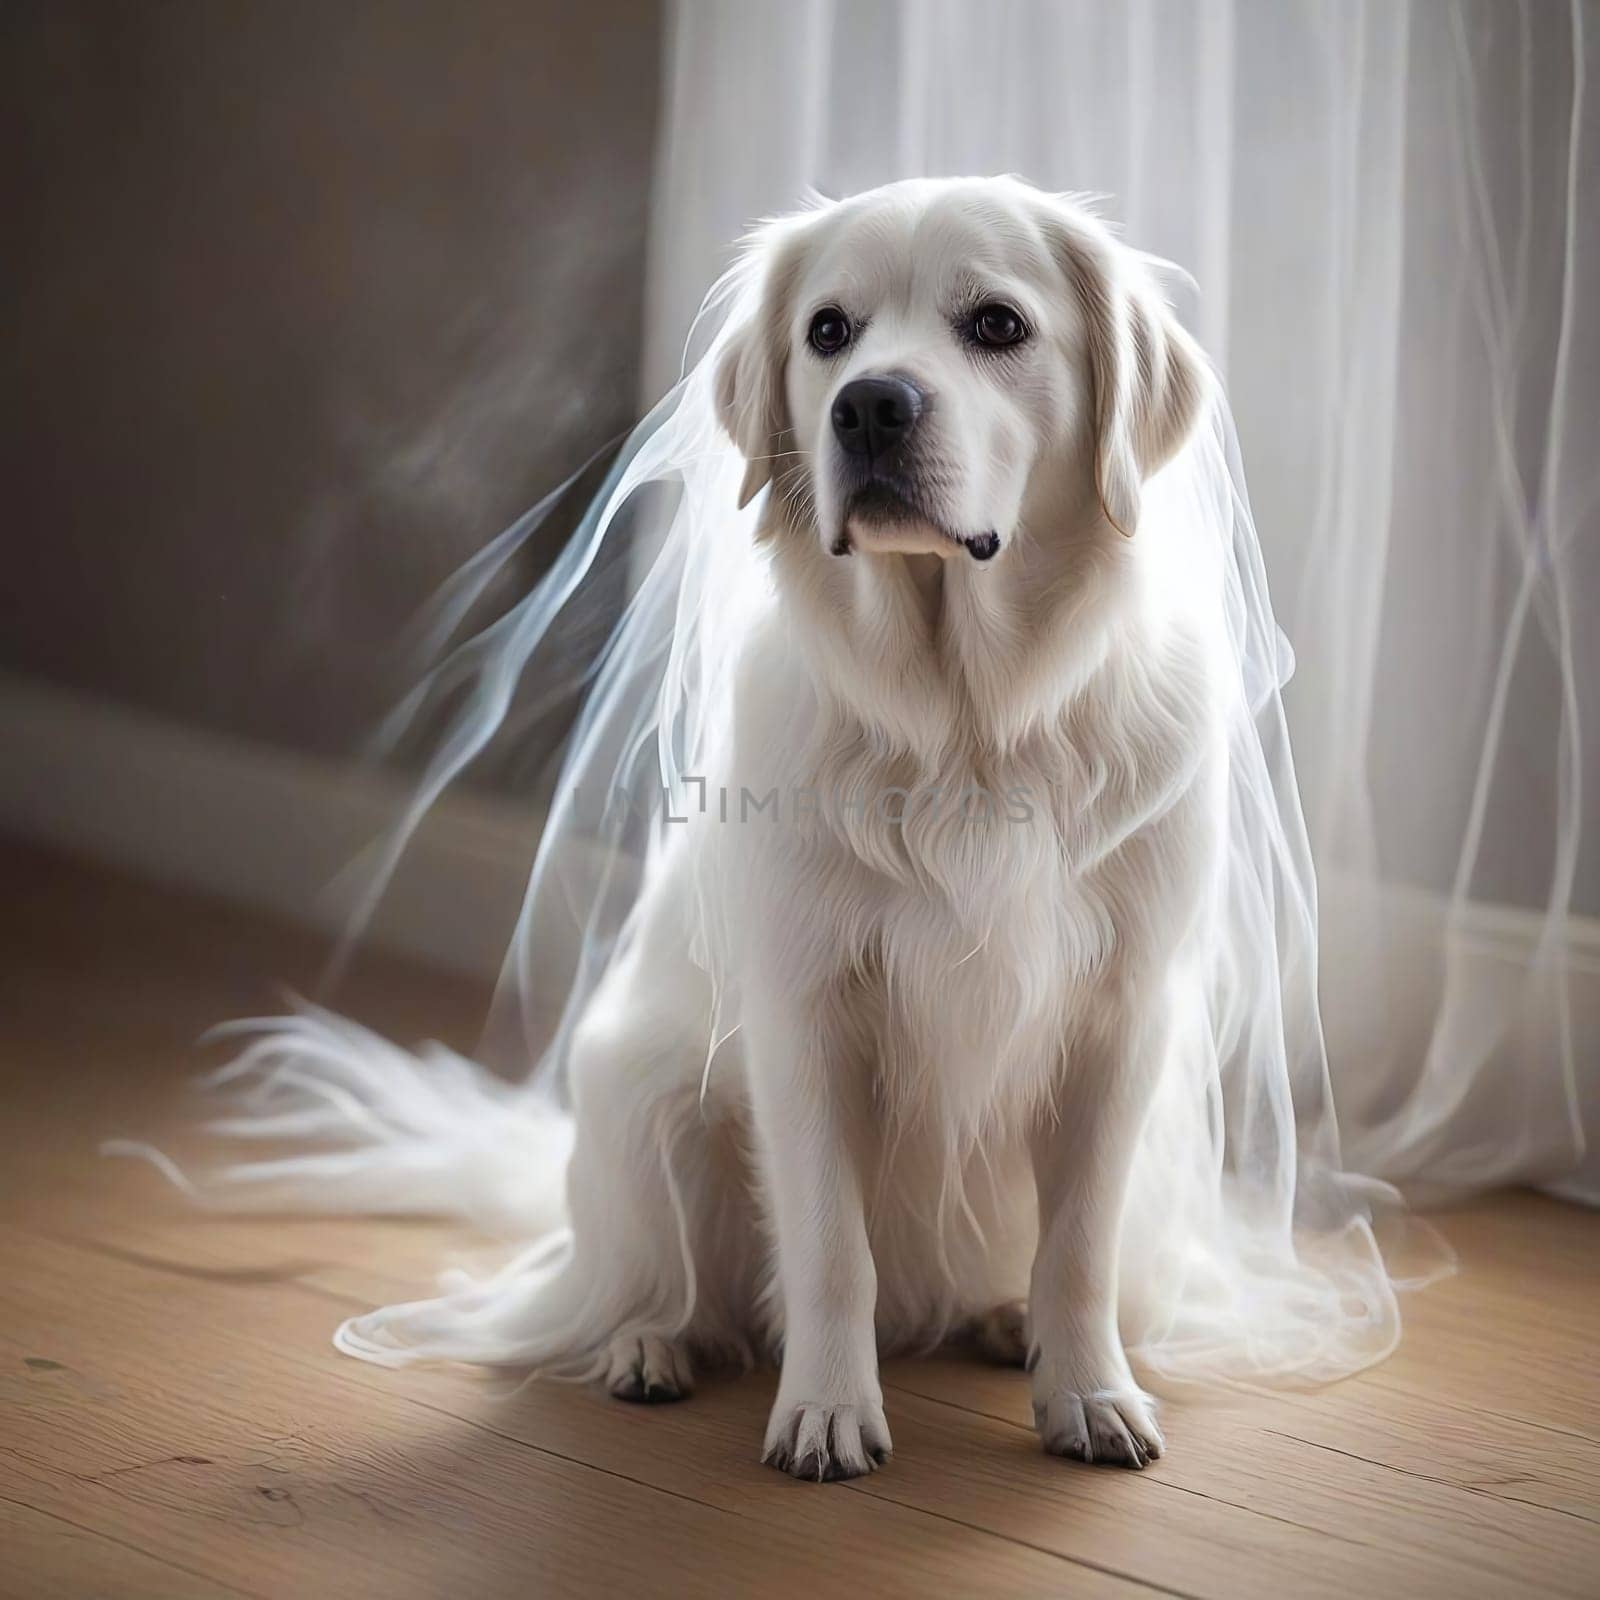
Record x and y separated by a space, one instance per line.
979 897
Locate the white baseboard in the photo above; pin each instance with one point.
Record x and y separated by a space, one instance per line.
255 824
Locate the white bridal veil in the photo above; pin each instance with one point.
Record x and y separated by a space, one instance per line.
1260 1244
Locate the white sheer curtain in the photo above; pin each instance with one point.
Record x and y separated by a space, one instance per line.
1392 213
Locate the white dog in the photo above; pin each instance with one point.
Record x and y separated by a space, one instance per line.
952 1015
997 1016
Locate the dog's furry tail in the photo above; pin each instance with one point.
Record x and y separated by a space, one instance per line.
377 1130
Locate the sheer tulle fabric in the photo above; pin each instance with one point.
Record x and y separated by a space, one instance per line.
1254 1247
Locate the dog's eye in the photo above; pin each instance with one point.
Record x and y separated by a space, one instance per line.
830 331
997 326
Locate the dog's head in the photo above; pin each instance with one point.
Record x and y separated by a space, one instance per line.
934 360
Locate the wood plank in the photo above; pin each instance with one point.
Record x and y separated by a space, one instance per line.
51 1557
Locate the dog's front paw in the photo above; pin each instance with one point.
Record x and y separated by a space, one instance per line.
825 1443
1113 1426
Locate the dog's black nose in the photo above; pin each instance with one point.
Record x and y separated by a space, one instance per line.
871 416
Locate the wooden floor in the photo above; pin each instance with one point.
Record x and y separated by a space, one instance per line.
174 1423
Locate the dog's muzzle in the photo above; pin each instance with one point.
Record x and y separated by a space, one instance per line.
875 422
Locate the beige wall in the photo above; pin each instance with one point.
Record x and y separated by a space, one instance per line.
303 301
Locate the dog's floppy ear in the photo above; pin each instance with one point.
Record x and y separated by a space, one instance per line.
750 403
1147 375
752 367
